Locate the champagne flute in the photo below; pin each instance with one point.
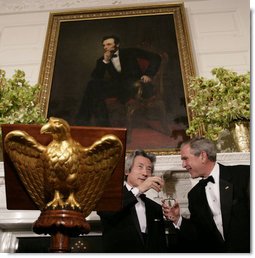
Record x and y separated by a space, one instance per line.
161 175
168 194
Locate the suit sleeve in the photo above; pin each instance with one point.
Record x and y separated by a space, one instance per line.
129 201
186 237
100 69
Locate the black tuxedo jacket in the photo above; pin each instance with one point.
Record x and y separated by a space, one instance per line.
107 82
235 208
121 230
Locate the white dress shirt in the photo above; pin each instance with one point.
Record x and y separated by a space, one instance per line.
140 208
116 61
212 191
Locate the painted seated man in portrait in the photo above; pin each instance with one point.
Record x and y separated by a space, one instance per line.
115 75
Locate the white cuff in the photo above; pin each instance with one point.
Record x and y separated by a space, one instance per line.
178 225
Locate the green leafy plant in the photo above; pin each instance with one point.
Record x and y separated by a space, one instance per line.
19 100
218 102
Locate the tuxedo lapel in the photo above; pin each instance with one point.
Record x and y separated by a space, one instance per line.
205 213
133 210
123 59
202 200
136 222
226 197
112 70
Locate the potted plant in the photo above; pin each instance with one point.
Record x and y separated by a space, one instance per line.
217 104
19 101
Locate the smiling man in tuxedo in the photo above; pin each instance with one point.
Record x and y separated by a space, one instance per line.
138 227
219 204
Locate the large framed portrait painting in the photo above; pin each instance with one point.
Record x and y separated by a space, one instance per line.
154 112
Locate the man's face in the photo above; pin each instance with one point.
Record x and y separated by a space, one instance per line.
109 45
142 168
192 163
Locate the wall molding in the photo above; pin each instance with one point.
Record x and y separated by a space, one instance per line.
21 6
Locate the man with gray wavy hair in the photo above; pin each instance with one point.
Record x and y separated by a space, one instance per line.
139 226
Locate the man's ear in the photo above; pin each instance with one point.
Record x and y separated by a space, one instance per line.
204 156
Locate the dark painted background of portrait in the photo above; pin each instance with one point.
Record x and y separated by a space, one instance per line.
79 46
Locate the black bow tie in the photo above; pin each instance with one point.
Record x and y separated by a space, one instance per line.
114 55
204 182
142 196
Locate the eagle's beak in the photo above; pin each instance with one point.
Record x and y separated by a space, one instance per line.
45 128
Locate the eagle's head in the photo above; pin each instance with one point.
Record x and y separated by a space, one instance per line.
58 127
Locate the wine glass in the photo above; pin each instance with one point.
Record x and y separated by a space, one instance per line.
169 198
158 196
168 194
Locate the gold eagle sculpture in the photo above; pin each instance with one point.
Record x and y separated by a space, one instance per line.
63 174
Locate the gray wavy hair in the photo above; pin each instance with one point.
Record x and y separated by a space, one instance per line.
130 159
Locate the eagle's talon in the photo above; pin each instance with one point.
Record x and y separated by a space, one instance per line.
71 202
56 202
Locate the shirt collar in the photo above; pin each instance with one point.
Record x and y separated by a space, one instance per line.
128 186
117 53
215 173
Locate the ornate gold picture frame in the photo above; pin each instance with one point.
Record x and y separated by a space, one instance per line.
74 44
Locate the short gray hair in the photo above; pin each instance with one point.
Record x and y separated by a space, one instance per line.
199 144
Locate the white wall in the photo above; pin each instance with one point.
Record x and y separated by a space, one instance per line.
219 31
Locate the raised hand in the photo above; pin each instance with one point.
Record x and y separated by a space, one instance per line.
153 182
171 212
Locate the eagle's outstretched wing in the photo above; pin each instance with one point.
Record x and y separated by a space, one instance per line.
25 153
96 167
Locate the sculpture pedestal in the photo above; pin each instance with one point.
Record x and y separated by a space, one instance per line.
61 225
